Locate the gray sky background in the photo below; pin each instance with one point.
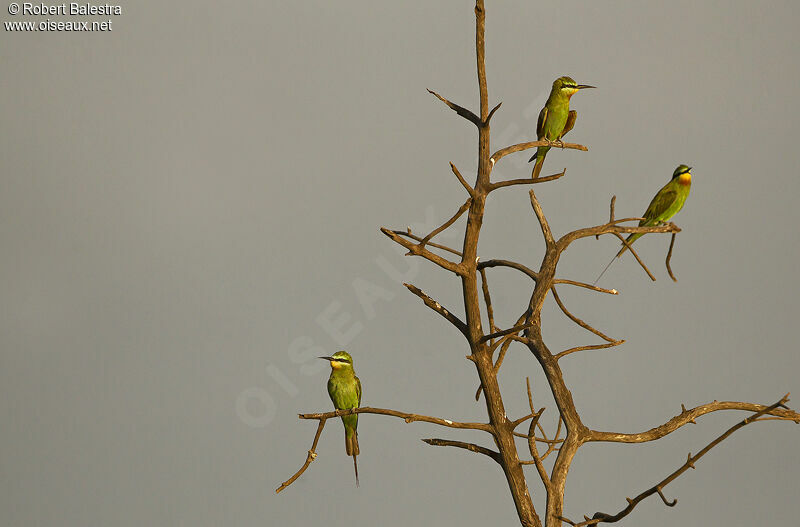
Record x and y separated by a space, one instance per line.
185 198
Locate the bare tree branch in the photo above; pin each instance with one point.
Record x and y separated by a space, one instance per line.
540 439
508 263
467 446
409 234
611 213
611 228
526 181
578 321
407 417
537 208
436 306
509 331
586 286
534 275
551 447
689 416
487 299
690 461
537 461
504 344
633 252
460 110
519 147
418 250
589 347
669 257
470 190
461 210
491 113
312 455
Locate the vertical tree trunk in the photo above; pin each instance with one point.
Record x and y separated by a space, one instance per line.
503 435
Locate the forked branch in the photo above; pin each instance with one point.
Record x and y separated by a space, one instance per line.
418 249
689 416
460 110
578 321
413 236
446 224
537 209
407 417
614 228
312 455
636 255
599 517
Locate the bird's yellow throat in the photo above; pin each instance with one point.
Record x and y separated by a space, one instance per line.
685 179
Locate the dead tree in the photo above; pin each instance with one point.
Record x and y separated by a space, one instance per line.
488 347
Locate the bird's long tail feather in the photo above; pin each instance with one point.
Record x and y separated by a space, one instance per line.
351 445
355 466
628 241
606 269
537 168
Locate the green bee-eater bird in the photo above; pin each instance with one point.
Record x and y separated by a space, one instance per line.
345 391
666 204
555 119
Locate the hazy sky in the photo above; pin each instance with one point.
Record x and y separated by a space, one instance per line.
189 211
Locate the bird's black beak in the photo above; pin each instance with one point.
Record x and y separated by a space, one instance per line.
326 358
582 86
690 168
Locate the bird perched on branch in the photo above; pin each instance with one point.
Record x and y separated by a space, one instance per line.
555 119
666 204
344 389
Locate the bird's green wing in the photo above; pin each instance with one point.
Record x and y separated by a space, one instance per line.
570 122
331 389
358 390
663 201
540 123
